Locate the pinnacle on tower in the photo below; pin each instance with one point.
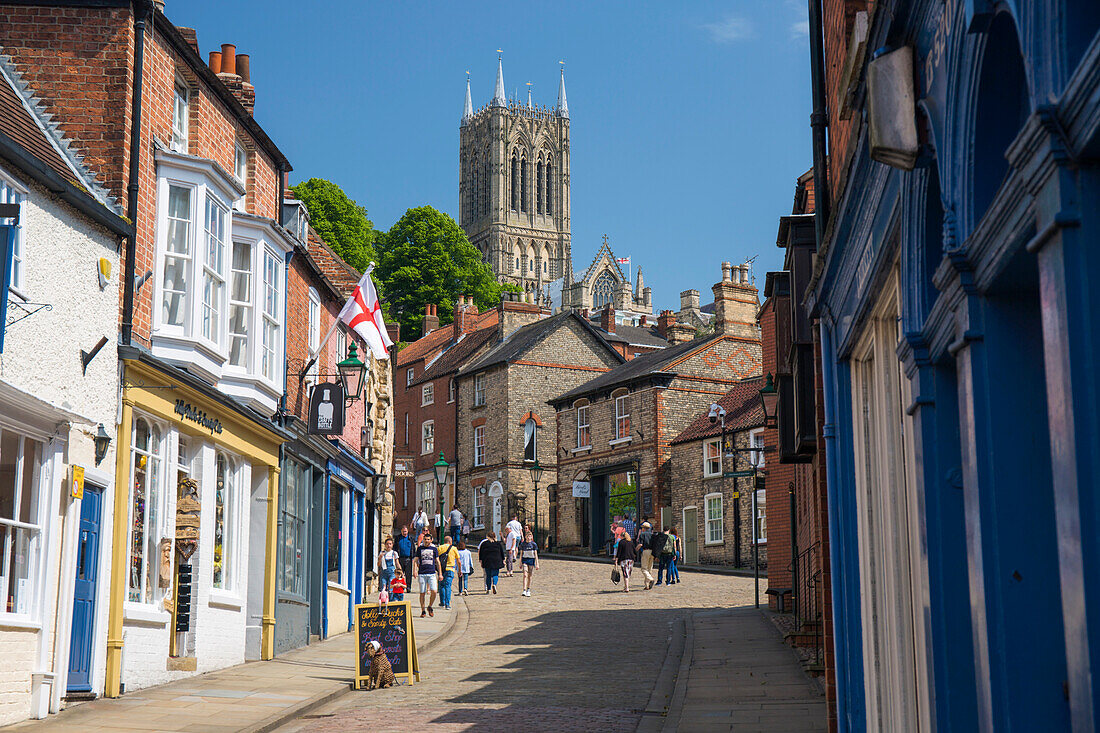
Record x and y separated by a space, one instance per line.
468 109
529 95
563 105
499 100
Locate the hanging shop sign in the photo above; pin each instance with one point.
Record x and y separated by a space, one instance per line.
326 409
187 411
582 489
391 626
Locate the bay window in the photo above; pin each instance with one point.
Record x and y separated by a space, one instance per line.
213 278
271 315
177 256
145 511
240 304
20 523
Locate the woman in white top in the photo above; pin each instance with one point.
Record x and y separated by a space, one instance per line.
465 568
388 562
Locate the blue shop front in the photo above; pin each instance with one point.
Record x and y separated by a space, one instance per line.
959 326
350 537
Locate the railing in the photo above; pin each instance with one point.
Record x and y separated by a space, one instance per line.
806 579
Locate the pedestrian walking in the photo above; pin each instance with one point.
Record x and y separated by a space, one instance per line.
466 530
644 542
405 547
491 556
628 525
455 520
388 562
419 523
465 568
673 564
625 556
427 572
512 533
448 561
664 547
529 555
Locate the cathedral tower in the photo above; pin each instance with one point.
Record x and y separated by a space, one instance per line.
513 186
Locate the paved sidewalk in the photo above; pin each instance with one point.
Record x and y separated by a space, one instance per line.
254 697
736 674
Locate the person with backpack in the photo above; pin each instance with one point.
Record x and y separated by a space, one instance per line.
448 559
645 546
664 546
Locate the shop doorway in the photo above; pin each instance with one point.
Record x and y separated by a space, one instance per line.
82 644
496 495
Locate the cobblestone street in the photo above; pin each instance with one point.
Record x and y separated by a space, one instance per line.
577 655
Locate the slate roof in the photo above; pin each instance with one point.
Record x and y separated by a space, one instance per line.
524 338
24 120
640 367
743 411
439 338
640 335
456 356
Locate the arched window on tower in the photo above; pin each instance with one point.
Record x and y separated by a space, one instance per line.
523 167
603 289
549 205
515 182
485 178
474 199
538 187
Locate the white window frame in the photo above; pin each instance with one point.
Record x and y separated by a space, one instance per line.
427 437
708 459
215 235
409 376
479 390
345 524
314 320
271 317
427 394
427 494
185 258
240 171
718 522
246 306
622 416
156 496
756 440
478 520
584 428
33 531
13 192
479 445
760 517
231 524
451 390
181 117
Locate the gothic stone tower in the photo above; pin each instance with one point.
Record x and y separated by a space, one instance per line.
514 187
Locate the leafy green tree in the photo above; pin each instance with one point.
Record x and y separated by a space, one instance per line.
425 258
340 221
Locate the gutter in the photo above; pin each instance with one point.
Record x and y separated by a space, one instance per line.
819 121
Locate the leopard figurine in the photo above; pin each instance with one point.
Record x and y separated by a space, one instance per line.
380 673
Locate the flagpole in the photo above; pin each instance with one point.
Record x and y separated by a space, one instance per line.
335 325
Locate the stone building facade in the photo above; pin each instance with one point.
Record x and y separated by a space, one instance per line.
604 285
722 521
635 411
502 404
514 187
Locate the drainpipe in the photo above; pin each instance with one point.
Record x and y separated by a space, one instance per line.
819 123
143 13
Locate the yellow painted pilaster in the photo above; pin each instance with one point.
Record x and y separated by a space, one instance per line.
267 634
119 549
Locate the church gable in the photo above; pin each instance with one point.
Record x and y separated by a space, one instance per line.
603 261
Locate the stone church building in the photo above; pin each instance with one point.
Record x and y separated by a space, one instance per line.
513 190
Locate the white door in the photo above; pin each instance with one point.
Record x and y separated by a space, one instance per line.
496 515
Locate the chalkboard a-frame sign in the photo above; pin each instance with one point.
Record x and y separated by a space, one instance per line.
392 628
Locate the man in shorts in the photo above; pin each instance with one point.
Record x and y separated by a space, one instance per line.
427 570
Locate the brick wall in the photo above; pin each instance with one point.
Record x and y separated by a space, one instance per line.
838 18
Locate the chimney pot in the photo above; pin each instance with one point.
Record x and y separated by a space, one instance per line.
243 68
216 61
229 58
726 268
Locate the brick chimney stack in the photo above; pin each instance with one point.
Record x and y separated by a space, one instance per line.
236 73
736 303
664 322
607 318
678 333
431 320
515 313
466 314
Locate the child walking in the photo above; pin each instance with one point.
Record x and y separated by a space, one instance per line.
397 586
529 554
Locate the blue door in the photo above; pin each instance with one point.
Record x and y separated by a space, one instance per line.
87 574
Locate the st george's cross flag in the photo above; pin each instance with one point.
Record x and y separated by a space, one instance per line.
363 315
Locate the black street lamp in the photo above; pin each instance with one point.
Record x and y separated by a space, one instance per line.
769 398
351 372
536 476
442 468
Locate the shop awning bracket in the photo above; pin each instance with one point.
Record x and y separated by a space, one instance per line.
17 311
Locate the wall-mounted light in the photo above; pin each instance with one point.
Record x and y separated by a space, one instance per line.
102 443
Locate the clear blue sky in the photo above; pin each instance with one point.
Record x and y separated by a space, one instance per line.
690 121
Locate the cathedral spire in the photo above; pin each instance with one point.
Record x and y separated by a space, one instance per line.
563 105
499 99
640 284
468 108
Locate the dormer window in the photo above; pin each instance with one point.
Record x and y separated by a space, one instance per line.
181 102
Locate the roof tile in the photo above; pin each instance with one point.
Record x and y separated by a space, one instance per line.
743 411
